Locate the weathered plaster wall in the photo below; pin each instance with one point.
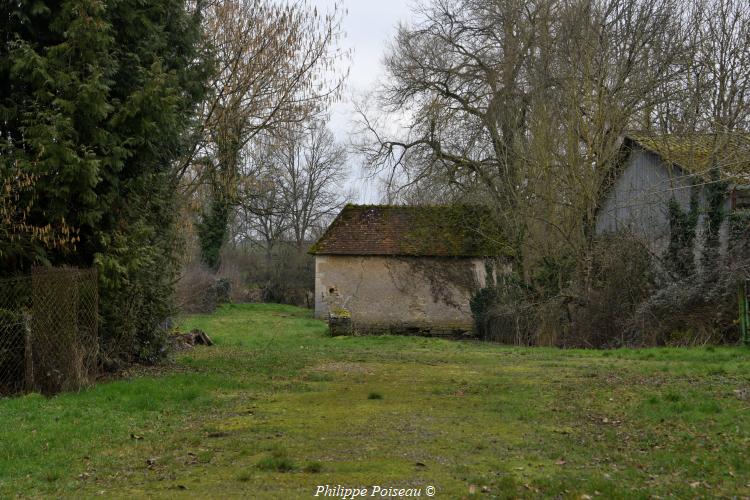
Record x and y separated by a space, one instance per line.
399 294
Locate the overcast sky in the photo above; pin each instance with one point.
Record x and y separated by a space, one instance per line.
369 25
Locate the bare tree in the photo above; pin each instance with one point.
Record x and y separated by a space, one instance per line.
292 185
262 215
314 175
276 64
522 104
713 93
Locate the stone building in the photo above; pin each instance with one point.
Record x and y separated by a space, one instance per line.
405 269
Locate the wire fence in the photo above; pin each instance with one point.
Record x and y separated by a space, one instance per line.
48 331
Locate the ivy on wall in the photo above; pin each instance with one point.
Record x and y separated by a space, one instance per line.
682 226
715 192
484 299
739 235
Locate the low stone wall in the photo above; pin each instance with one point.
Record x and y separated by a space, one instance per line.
340 323
445 331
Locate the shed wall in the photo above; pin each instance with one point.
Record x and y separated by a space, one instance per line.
639 202
399 294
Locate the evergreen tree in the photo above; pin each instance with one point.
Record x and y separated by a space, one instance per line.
95 100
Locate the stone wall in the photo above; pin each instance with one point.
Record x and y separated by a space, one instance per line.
404 295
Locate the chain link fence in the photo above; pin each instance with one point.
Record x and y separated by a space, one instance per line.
48 331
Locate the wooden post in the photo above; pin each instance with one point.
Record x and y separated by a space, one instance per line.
28 355
744 314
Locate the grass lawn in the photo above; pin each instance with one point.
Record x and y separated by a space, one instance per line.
278 407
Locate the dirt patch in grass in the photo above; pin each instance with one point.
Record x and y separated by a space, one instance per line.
343 367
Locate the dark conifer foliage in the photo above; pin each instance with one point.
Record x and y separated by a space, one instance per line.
96 98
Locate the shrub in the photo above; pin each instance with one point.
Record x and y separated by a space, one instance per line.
196 292
621 275
222 289
286 276
503 313
481 304
552 322
697 310
590 308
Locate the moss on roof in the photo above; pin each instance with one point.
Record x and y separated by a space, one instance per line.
438 231
698 154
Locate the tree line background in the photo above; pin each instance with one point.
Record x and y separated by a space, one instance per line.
522 106
182 146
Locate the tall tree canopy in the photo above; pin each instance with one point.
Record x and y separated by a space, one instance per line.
523 104
276 65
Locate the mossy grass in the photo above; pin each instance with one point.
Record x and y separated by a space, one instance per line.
278 407
313 467
277 461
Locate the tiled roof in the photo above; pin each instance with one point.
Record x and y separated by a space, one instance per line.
699 153
434 231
